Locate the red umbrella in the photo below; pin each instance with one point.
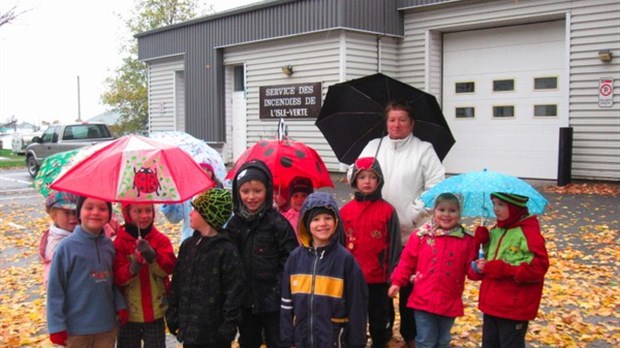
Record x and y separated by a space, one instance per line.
135 169
286 159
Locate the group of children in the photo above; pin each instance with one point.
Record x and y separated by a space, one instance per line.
313 276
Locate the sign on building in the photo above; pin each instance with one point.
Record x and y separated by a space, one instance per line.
606 92
301 100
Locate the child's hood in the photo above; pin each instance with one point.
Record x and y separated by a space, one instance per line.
258 165
367 163
318 200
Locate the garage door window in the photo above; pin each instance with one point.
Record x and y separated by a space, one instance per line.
504 111
544 83
465 112
549 110
464 87
503 85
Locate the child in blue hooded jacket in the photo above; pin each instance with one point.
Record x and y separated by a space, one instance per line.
324 293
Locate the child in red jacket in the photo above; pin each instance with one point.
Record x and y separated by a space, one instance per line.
372 235
437 258
512 273
143 262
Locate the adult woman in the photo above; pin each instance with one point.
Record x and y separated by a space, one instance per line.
410 167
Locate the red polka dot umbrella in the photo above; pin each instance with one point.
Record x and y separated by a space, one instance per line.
286 159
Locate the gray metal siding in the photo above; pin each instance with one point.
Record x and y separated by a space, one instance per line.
198 40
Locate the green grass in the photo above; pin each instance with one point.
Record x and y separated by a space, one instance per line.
9 159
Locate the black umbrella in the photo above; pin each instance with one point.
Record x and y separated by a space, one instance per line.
352 115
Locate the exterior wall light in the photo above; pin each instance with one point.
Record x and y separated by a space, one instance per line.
605 56
287 70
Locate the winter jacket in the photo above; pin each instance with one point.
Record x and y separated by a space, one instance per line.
324 294
410 167
47 245
513 276
81 296
265 242
206 291
292 216
372 232
145 292
440 265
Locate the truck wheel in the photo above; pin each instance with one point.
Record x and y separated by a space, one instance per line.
33 168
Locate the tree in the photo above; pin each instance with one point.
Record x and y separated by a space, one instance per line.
8 16
127 90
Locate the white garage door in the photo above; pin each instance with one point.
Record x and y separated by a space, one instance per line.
504 97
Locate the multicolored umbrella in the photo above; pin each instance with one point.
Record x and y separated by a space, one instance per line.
286 159
199 150
135 169
475 189
52 166
50 169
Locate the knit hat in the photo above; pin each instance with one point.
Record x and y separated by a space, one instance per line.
62 200
300 184
250 174
80 202
518 200
215 206
310 214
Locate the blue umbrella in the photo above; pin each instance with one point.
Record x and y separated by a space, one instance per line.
475 189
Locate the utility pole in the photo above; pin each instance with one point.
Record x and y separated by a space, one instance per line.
79 119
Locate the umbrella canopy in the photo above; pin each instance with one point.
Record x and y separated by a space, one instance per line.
50 169
352 115
54 165
475 189
286 159
135 169
199 150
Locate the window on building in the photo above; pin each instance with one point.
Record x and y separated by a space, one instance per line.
503 85
464 87
239 78
504 111
542 83
547 110
465 112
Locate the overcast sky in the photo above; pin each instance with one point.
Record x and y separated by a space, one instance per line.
45 49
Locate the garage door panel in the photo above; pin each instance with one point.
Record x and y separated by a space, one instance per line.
524 144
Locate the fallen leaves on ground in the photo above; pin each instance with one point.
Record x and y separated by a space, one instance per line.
586 189
579 307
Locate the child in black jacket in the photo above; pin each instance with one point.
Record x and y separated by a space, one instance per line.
208 280
265 238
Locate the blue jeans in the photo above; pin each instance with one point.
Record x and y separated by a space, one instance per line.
433 330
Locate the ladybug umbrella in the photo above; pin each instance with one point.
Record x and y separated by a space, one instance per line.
135 169
286 159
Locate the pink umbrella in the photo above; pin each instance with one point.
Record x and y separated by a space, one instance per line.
135 169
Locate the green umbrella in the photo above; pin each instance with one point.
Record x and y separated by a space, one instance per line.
51 168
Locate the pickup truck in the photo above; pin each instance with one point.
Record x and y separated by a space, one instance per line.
59 138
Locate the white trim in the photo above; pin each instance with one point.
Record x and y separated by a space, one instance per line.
342 57
297 35
173 55
564 109
427 60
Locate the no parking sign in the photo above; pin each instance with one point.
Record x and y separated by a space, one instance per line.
606 92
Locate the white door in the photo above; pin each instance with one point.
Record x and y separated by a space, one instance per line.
239 114
504 97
